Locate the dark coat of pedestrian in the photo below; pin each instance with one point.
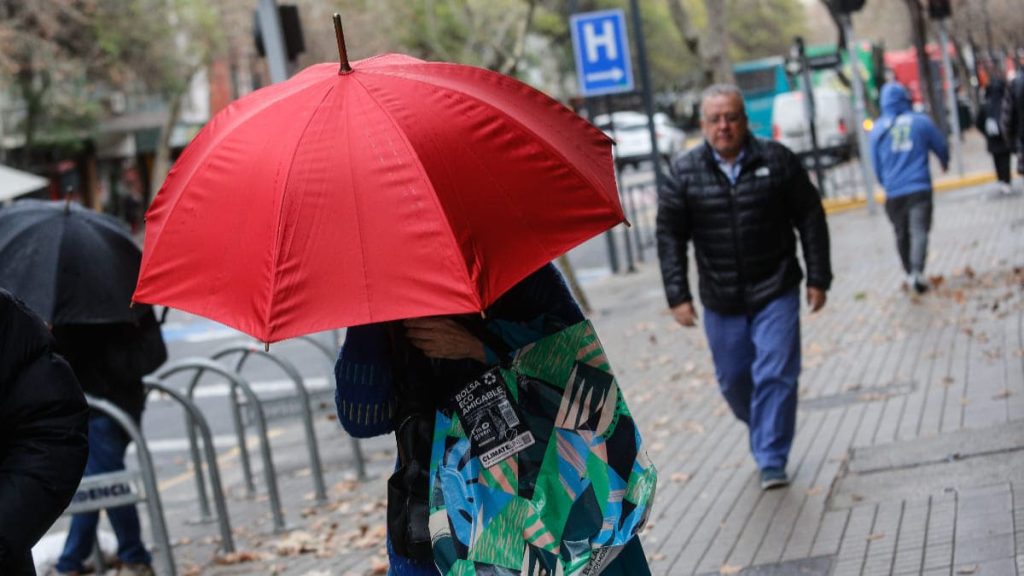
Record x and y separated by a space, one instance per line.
900 144
110 361
43 444
990 114
1012 119
742 201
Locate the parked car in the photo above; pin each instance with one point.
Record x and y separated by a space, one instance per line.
633 140
834 123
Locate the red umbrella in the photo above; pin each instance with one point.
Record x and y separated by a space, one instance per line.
396 188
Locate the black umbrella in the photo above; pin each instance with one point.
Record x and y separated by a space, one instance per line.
69 264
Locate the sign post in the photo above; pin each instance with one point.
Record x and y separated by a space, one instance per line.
603 66
601 47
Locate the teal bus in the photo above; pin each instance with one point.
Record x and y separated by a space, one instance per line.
759 81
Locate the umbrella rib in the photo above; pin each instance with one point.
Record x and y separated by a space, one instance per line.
28 229
221 136
281 211
454 252
551 149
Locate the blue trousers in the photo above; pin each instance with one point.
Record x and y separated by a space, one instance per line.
757 362
107 445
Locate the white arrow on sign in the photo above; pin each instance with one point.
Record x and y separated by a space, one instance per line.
613 74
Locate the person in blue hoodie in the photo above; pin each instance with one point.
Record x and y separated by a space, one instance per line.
900 143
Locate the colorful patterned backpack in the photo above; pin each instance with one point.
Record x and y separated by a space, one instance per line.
537 468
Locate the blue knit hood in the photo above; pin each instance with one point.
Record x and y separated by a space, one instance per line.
895 100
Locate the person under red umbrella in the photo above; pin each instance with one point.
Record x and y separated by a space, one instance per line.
394 376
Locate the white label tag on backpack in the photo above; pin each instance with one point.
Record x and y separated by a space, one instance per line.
489 417
762 172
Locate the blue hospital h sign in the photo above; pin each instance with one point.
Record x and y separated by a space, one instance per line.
601 45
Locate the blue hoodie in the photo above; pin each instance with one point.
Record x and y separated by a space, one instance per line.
900 143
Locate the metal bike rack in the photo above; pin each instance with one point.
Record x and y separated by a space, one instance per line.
331 355
194 419
201 366
113 489
247 351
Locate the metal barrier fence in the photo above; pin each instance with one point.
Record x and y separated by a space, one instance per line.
324 401
303 407
201 366
194 419
843 179
113 489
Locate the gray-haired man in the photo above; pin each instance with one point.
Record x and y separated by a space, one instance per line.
739 199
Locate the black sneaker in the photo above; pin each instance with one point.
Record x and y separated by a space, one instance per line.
920 284
773 478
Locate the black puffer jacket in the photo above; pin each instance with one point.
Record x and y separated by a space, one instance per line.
43 443
743 235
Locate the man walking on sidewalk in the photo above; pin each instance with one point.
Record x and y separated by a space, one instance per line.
900 143
1012 120
739 198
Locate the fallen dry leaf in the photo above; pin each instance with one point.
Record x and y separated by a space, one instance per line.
875 536
730 569
378 566
1002 394
237 557
692 426
815 491
967 569
679 477
297 542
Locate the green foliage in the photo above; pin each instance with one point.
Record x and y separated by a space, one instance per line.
64 55
762 28
157 43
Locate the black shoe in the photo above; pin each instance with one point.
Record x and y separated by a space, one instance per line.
773 478
920 284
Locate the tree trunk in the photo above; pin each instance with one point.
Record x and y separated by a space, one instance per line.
927 82
511 65
574 286
717 43
681 19
161 160
33 99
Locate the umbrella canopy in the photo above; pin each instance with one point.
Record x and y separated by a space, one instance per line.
398 188
69 264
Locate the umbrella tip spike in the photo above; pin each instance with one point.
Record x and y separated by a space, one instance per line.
131 304
339 33
266 346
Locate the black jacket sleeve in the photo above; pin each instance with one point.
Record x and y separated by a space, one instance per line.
43 442
808 218
673 232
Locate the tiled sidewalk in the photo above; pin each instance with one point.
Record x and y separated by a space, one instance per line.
909 456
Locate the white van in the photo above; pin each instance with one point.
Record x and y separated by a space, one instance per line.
834 122
633 137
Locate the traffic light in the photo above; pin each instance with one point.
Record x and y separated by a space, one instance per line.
846 6
939 9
